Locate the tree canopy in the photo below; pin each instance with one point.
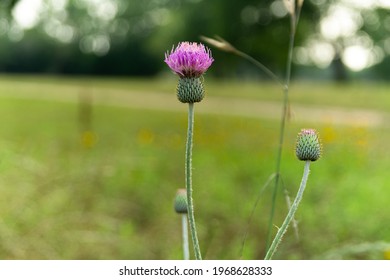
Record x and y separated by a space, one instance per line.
121 37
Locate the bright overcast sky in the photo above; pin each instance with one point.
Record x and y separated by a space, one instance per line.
27 13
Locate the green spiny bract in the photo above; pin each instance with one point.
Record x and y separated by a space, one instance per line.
308 146
190 90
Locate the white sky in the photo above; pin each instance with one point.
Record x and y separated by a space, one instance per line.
26 13
368 3
343 20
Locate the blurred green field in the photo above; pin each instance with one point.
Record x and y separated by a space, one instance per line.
108 194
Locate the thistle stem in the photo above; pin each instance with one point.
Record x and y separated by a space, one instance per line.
186 251
282 230
188 175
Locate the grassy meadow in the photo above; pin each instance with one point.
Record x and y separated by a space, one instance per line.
100 184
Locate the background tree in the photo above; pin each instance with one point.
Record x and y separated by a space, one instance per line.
120 37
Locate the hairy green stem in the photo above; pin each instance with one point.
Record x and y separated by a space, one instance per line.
282 230
186 251
188 175
294 221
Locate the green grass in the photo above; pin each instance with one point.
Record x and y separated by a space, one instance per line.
61 200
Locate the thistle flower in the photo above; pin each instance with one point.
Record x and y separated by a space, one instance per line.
308 145
189 61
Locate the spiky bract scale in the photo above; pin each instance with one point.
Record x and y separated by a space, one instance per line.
190 90
308 146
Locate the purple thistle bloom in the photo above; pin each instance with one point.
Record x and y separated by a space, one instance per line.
189 60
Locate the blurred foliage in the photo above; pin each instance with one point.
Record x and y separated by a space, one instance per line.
7 5
120 37
61 199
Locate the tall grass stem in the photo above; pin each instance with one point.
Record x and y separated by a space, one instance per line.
282 230
282 128
188 177
260 65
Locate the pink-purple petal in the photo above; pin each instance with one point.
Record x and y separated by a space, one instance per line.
189 59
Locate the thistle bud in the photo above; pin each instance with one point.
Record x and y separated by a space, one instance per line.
308 146
181 201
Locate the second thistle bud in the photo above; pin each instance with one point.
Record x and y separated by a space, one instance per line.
308 145
190 90
181 201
